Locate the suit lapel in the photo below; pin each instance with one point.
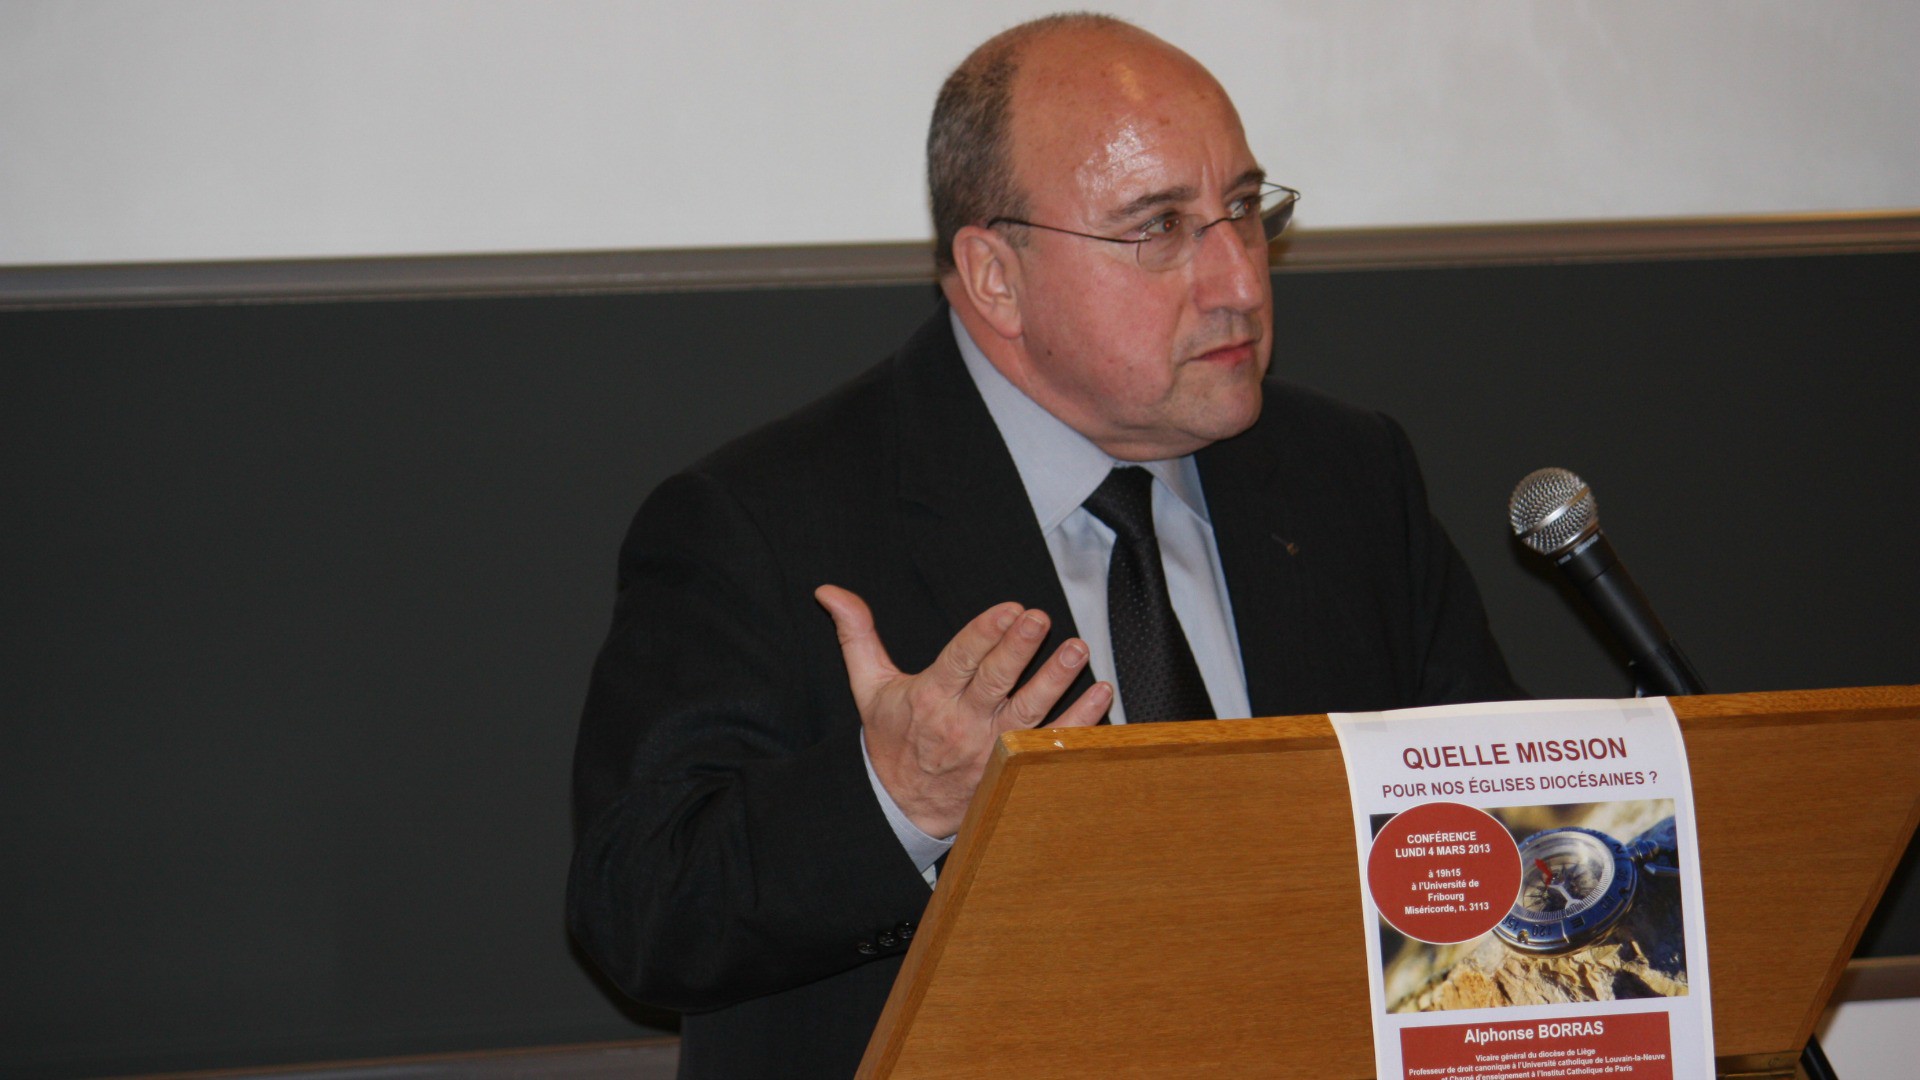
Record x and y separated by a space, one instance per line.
1252 531
975 541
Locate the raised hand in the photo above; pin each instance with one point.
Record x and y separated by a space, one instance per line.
930 734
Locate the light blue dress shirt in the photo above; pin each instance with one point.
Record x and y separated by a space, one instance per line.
1061 467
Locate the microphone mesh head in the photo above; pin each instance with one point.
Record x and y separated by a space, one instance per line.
1551 509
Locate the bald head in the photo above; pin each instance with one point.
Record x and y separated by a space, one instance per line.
1023 82
1087 110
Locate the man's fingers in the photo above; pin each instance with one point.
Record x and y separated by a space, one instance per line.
1088 710
1030 705
1000 669
953 670
866 658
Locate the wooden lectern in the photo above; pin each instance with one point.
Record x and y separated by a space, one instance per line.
1184 899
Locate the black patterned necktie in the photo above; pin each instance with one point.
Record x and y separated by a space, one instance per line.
1158 678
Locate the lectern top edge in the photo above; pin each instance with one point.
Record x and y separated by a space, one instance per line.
1312 732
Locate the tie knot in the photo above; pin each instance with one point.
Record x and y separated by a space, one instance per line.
1124 502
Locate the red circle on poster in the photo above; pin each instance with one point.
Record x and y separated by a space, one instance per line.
1443 872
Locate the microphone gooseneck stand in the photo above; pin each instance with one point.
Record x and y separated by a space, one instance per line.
1553 512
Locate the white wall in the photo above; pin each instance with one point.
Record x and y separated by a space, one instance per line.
1873 1040
134 130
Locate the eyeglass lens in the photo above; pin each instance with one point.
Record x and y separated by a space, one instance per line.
1257 229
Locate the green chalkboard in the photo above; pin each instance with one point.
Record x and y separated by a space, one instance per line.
300 599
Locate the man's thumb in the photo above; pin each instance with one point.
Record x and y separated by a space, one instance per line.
860 646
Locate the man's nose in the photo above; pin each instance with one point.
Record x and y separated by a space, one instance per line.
1227 273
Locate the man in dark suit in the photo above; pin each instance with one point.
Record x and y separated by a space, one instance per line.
763 787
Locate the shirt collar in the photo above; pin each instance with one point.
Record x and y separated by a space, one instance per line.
1059 466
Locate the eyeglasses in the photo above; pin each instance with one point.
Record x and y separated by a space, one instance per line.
1167 242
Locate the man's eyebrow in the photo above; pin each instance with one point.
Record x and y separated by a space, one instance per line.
1253 177
1174 196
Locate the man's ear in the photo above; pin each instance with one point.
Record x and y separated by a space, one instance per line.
989 276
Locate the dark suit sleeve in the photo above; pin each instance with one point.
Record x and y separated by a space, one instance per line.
1456 657
728 843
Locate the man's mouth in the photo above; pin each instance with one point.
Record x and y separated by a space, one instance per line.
1232 353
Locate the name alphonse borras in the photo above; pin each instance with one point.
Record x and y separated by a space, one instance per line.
1546 1029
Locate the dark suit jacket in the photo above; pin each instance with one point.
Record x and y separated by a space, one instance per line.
732 861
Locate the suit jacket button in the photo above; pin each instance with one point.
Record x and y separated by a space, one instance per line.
887 940
905 930
867 948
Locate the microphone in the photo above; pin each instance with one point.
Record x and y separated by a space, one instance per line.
1553 512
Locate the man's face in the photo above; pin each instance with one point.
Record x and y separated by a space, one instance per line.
1146 364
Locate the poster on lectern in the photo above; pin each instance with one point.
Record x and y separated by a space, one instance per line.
1530 891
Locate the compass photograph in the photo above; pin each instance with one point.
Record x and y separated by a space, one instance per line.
1596 917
